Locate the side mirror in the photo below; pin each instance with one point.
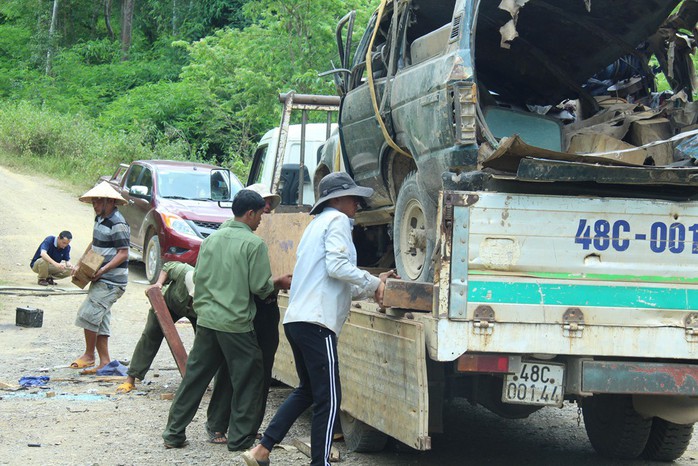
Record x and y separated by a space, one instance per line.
139 191
221 187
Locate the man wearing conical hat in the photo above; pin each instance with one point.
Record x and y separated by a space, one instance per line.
110 239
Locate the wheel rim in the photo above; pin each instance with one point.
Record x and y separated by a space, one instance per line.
153 256
413 242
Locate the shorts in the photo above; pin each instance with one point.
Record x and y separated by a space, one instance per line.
95 312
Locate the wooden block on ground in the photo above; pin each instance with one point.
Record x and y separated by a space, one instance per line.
168 328
404 294
303 446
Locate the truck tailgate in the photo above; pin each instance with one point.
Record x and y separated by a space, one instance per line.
567 275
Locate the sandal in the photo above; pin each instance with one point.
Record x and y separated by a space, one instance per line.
250 460
81 364
217 438
170 446
125 387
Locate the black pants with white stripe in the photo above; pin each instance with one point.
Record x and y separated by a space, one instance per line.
315 352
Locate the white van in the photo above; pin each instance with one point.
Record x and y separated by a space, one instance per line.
262 169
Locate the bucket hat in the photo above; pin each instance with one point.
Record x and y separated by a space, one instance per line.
263 191
189 282
335 185
103 190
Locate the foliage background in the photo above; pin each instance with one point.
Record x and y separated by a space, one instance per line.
199 82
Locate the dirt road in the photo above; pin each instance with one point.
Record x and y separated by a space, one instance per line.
79 419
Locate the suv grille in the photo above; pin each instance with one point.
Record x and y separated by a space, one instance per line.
206 228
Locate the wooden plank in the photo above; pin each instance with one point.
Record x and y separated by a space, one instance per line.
382 362
303 446
554 170
168 328
282 232
404 294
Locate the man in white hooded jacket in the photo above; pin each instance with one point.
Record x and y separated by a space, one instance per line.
325 279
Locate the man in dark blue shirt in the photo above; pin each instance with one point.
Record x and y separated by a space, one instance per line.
52 258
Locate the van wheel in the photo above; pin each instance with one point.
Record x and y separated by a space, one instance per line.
152 258
668 441
414 231
359 436
614 428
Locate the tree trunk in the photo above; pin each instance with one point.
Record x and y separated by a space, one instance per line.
107 18
174 17
127 8
51 32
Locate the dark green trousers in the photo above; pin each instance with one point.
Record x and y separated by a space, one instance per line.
150 341
266 326
241 356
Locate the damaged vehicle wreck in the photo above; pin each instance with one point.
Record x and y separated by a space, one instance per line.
537 194
467 90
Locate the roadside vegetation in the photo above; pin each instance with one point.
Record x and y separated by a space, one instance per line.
88 84
85 85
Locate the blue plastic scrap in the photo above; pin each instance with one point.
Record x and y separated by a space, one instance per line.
113 368
34 381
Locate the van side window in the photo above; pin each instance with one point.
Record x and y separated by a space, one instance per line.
259 160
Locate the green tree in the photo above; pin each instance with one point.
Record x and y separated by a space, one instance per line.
289 43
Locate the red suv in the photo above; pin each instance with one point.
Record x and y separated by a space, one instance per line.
170 209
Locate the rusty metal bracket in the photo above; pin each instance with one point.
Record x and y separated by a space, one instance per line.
455 198
483 320
573 322
691 324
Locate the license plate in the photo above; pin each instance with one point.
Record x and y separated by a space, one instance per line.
535 384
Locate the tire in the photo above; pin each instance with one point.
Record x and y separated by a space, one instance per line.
668 441
152 258
414 232
614 428
359 436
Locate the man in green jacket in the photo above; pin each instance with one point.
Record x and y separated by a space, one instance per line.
177 286
233 265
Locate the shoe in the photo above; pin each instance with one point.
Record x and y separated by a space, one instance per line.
170 446
43 282
50 281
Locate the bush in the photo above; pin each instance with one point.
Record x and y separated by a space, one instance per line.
77 150
67 147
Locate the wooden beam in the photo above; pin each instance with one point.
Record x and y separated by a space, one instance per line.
402 294
303 445
168 328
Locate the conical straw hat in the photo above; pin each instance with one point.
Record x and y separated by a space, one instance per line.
103 190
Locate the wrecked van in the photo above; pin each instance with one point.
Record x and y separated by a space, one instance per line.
545 97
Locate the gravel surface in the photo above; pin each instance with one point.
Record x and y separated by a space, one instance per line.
80 420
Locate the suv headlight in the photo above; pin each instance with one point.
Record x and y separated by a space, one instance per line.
178 224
